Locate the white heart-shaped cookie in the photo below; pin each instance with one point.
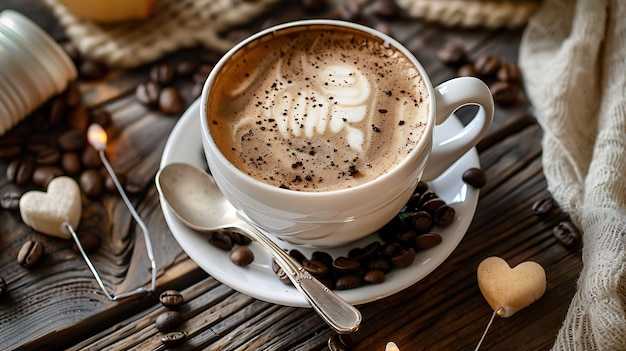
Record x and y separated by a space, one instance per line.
508 290
47 212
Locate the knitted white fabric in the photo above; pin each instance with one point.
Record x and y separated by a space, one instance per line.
573 55
175 24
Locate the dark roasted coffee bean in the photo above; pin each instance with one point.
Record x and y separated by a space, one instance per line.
545 206
239 238
171 298
374 277
487 64
221 240
429 195
452 53
101 116
3 286
349 281
316 268
70 163
432 205
44 174
380 263
323 257
72 95
174 339
406 238
90 158
444 216
10 200
10 146
20 171
328 282
91 183
344 265
404 258
72 51
148 94
421 188
475 177
427 241
92 70
390 250
49 155
162 74
168 321
78 117
241 256
297 255
57 110
37 142
467 70
509 72
186 68
89 240
382 8
73 140
421 221
170 101
31 253
504 93
568 234
366 253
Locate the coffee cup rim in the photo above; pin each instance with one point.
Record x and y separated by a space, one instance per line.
424 142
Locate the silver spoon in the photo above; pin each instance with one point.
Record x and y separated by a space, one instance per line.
191 193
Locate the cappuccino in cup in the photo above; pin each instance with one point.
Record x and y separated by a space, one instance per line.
326 108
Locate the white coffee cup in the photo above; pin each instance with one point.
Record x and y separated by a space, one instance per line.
337 217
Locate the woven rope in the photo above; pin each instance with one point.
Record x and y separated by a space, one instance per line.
472 13
175 24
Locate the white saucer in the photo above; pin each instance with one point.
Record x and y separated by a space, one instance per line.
259 281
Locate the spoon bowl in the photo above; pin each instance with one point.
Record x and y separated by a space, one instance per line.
193 196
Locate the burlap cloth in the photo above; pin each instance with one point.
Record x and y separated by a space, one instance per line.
573 55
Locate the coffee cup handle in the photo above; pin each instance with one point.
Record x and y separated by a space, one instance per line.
449 96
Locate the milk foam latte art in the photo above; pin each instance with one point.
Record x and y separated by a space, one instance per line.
323 109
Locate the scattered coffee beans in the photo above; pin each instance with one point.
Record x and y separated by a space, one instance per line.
31 253
168 321
475 177
545 206
452 53
504 93
171 298
241 256
10 200
568 234
174 339
487 64
170 101
148 94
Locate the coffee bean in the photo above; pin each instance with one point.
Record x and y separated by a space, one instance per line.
509 72
316 268
44 174
241 256
31 253
201 73
432 205
427 241
313 6
3 286
568 234
168 321
344 265
452 53
162 74
475 177
444 216
73 140
10 146
173 339
101 116
487 64
57 110
545 206
504 93
171 298
72 95
72 51
323 257
148 94
221 240
170 101
467 70
20 171
347 282
239 238
297 255
406 238
90 158
366 253
92 70
281 274
10 200
374 277
78 117
49 155
37 142
186 68
70 163
91 183
421 221
380 264
404 258
89 240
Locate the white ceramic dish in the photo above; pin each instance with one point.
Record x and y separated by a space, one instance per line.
259 281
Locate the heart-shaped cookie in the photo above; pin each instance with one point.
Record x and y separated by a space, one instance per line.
508 290
47 212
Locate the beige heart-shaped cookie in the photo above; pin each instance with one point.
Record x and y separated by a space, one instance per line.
47 212
508 290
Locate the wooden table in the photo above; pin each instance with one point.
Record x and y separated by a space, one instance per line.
58 304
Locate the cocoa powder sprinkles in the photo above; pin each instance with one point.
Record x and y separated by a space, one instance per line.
318 110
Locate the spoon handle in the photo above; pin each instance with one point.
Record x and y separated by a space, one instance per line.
336 312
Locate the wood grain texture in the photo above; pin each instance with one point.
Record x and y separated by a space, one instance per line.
58 305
